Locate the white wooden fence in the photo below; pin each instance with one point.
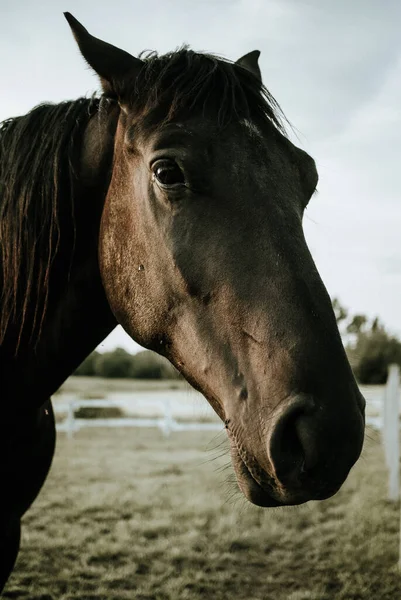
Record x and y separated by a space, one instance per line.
391 431
391 437
166 422
388 423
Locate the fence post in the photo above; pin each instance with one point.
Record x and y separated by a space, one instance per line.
168 419
391 430
386 418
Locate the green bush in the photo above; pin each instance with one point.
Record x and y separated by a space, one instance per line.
115 364
370 348
372 354
88 366
121 364
149 365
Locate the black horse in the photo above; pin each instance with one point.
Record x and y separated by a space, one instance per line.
173 205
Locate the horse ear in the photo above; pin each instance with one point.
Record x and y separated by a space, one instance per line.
110 63
250 61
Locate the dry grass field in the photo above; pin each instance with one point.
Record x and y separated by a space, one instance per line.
98 387
128 514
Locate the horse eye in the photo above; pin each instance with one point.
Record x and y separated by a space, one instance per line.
168 173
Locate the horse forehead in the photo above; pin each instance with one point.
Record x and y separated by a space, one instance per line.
207 131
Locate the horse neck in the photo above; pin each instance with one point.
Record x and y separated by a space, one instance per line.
78 316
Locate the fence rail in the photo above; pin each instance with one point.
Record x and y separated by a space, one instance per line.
166 423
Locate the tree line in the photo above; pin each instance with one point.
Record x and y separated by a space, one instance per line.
370 349
121 364
369 346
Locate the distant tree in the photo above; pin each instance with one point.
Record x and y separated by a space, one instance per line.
372 354
357 324
340 312
121 364
88 366
370 348
376 324
149 365
115 364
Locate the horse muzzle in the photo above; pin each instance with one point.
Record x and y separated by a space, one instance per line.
307 456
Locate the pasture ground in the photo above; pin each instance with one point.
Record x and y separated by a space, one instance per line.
127 514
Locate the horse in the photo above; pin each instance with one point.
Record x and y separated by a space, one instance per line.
171 204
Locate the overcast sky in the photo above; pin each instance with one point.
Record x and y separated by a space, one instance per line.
335 68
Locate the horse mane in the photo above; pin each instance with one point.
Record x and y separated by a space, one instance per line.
184 82
36 171
38 153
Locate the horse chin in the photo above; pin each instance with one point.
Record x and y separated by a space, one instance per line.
251 489
264 493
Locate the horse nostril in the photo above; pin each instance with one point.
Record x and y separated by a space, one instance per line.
307 439
292 449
